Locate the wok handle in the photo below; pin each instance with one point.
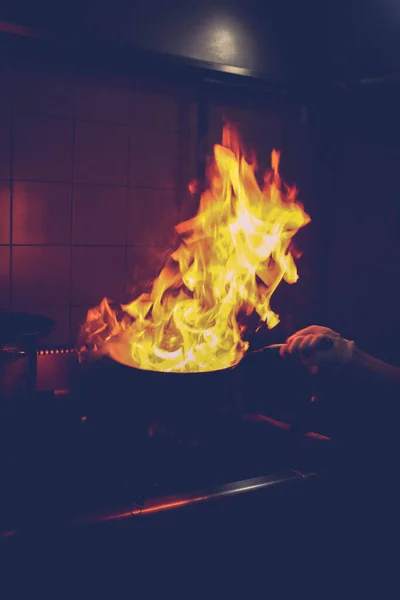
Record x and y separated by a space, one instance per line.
302 423
325 344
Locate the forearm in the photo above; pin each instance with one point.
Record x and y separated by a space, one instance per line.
374 368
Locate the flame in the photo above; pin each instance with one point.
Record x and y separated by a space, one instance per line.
232 256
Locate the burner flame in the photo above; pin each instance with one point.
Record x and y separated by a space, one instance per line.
232 256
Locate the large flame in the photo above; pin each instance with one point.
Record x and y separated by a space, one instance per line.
232 256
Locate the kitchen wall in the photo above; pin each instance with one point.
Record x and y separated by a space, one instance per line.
93 172
93 177
364 204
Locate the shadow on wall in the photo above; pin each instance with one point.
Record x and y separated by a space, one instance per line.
363 293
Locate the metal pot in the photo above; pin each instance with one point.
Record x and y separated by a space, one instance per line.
19 335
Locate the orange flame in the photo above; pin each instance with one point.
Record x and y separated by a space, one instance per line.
232 256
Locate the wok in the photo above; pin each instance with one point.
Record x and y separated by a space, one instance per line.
118 393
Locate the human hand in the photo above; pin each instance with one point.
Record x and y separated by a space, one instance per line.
317 345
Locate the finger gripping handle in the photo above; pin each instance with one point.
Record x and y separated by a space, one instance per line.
325 344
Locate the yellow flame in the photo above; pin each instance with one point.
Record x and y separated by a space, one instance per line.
233 255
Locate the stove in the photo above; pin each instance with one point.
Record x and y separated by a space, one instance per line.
254 494
60 466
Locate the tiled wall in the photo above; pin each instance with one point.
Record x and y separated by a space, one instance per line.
93 170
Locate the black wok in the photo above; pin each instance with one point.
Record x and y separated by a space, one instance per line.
113 392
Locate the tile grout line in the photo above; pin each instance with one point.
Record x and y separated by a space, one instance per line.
91 183
83 245
127 214
11 142
71 238
180 167
129 124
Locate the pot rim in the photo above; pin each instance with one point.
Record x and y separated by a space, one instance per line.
130 366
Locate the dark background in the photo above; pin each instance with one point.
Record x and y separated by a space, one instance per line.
286 39
320 81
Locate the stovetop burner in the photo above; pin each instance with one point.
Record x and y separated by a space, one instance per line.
59 466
